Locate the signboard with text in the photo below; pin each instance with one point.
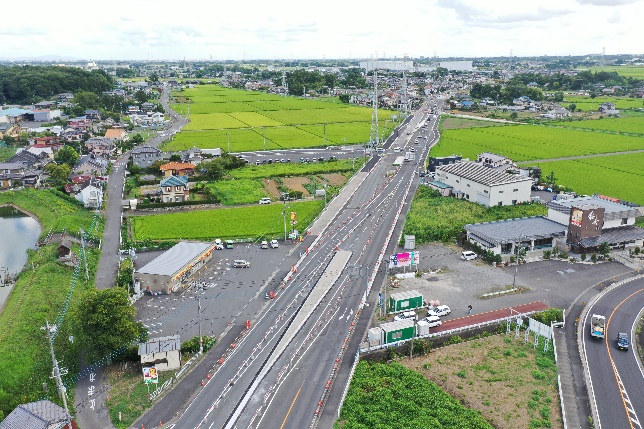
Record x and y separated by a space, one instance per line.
150 375
405 259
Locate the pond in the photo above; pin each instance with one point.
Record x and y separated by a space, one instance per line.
18 232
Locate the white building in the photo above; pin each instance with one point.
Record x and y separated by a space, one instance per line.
615 214
398 65
457 65
487 186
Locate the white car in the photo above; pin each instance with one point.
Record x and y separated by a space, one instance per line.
274 244
433 321
468 255
219 244
263 245
265 200
441 310
397 149
405 315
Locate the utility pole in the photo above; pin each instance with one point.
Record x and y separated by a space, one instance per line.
325 135
50 329
284 214
411 345
516 268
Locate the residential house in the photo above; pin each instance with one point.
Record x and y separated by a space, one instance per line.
8 129
147 106
65 96
46 141
11 173
493 160
88 164
28 159
608 109
174 189
93 115
100 147
45 105
42 414
192 156
163 352
145 156
90 194
71 134
557 113
177 169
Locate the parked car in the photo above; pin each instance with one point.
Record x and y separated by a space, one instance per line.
263 245
240 263
219 244
265 200
441 310
229 244
622 341
468 255
433 321
397 149
406 315
274 244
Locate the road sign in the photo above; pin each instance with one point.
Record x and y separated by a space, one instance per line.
150 375
380 299
293 222
293 216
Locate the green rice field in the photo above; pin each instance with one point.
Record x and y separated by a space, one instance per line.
586 103
254 222
630 125
238 191
628 71
619 176
218 115
527 142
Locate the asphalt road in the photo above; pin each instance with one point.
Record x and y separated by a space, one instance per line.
236 394
615 385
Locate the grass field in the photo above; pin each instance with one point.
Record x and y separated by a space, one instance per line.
586 103
255 222
510 382
295 169
287 122
239 191
628 71
619 176
452 122
526 142
631 125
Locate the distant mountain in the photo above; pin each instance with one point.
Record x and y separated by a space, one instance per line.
43 58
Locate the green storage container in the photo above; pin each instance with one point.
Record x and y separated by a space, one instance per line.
404 301
398 330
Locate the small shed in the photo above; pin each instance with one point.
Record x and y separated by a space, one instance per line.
397 331
404 301
162 352
410 242
64 248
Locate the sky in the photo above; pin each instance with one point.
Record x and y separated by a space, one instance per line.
288 29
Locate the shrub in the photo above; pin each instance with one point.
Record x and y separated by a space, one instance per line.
192 345
593 258
546 254
583 256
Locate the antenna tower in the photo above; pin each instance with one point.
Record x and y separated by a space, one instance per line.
374 138
284 83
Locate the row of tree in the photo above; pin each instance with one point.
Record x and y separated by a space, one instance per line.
30 84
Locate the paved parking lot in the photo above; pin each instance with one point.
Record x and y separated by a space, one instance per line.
459 283
232 295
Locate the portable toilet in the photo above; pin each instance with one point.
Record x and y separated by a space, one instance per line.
422 328
374 336
406 300
398 330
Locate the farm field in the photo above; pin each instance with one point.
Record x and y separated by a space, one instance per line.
255 222
619 176
452 122
295 169
526 142
586 103
629 71
220 114
241 191
631 125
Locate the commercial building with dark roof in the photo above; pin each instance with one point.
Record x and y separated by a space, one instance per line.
484 185
504 236
176 266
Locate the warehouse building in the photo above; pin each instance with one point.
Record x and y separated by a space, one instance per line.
483 185
177 266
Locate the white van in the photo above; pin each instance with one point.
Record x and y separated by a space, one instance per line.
406 315
468 255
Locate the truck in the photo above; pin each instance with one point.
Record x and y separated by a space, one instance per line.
597 325
410 156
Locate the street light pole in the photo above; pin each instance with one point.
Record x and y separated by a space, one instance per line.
516 268
284 214
200 337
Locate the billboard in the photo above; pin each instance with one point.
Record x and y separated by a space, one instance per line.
576 216
150 375
405 259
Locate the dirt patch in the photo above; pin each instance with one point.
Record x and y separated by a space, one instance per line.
297 184
271 187
508 381
334 179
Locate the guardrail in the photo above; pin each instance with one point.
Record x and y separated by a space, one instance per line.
356 359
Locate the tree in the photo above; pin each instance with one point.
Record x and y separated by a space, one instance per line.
604 249
153 78
551 179
572 107
345 98
137 139
66 155
155 167
140 96
514 115
59 173
86 100
175 157
105 321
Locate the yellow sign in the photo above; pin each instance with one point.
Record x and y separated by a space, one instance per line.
293 216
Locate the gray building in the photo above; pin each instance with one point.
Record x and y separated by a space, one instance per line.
504 236
176 266
145 156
